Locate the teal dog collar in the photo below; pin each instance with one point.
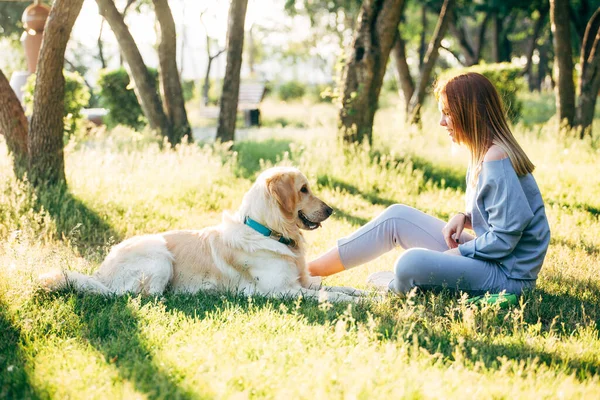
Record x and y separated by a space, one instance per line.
263 230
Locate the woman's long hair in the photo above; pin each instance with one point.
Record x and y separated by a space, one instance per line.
479 120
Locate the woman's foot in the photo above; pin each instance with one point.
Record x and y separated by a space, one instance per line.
381 280
327 264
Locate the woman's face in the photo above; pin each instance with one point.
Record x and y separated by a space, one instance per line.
446 120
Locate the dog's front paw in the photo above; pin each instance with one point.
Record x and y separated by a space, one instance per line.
313 282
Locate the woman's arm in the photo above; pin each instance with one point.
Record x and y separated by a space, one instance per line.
508 215
454 228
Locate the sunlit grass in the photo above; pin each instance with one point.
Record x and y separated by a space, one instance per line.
67 345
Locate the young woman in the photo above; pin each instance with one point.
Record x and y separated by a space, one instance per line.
503 207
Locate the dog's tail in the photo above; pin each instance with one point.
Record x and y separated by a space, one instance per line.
57 280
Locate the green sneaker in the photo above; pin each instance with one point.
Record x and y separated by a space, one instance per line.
504 300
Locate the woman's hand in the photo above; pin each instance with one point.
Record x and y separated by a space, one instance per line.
453 230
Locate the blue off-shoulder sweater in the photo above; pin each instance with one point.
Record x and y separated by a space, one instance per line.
508 217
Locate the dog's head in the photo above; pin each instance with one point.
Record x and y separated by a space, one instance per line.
281 199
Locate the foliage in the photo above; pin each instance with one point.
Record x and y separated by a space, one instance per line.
117 95
507 79
214 91
13 57
10 19
77 97
189 89
538 108
320 93
291 90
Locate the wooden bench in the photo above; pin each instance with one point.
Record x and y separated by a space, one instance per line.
249 98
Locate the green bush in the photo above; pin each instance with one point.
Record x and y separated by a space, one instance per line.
188 86
117 95
291 90
214 91
321 93
390 85
507 79
77 97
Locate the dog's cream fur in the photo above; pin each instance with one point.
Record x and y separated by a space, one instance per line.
230 256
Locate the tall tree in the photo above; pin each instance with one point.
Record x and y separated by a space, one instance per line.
231 81
589 79
416 101
101 45
563 61
211 57
144 83
403 76
169 74
46 158
538 24
365 66
470 45
13 125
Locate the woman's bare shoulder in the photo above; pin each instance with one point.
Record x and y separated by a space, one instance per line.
495 153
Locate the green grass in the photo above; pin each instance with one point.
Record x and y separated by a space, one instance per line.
68 345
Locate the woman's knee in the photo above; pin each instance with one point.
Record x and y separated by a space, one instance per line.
396 211
407 268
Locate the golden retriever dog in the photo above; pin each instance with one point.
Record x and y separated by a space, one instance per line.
258 250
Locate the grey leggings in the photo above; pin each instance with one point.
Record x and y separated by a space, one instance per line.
424 265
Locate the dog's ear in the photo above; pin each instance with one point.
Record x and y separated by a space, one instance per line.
281 187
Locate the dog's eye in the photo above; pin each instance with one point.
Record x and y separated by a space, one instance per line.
304 189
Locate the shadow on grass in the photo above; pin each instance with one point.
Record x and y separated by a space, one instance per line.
14 378
476 348
111 326
561 308
439 175
335 183
592 210
250 154
585 246
442 177
75 221
342 215
573 302
560 314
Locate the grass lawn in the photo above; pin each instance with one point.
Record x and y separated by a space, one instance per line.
68 345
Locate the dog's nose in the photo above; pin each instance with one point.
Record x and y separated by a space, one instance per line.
328 211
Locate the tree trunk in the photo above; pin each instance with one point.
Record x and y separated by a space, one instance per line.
422 48
508 25
46 158
144 83
251 51
362 76
531 46
101 46
206 85
589 80
169 75
13 125
432 54
231 81
459 33
563 61
543 64
480 38
471 53
123 14
496 28
403 75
